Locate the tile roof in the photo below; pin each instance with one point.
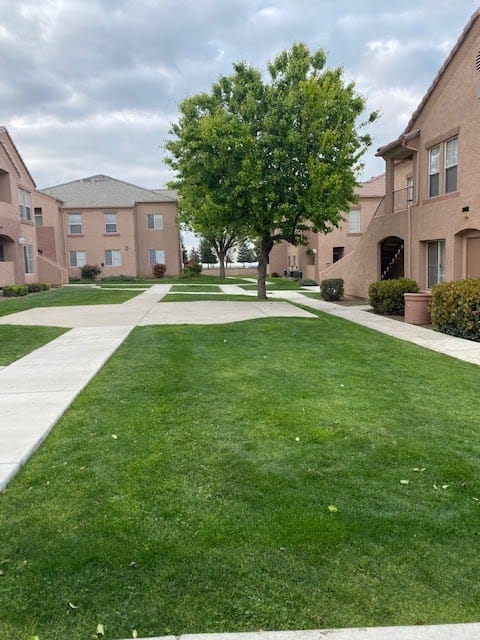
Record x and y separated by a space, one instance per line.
104 191
373 188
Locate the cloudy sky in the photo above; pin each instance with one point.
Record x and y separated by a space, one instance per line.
92 86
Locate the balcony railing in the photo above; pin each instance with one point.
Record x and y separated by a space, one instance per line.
402 199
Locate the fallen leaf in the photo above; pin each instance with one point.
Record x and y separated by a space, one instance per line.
297 439
404 481
114 436
445 486
332 508
72 606
100 630
134 633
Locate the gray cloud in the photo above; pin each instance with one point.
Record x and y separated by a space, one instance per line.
92 86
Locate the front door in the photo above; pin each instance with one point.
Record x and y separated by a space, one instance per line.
473 257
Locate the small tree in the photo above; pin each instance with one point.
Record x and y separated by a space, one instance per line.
245 253
195 255
90 271
184 254
272 160
207 255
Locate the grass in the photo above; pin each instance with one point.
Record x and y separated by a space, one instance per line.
205 288
196 297
18 341
200 279
63 297
276 284
209 509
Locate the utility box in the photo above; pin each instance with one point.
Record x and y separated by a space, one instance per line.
417 307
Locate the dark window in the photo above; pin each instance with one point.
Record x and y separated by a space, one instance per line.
337 253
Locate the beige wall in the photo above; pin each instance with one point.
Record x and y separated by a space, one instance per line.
15 233
133 239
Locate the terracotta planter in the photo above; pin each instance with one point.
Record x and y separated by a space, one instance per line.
417 307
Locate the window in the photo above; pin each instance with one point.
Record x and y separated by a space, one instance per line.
77 258
155 221
435 262
113 258
75 226
110 222
28 258
156 256
410 185
38 217
434 171
2 253
354 221
451 161
337 253
25 205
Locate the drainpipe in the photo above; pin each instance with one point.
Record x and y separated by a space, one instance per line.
404 144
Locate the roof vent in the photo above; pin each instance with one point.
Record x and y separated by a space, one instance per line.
477 62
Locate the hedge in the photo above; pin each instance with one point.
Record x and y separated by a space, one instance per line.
15 290
386 296
332 289
455 308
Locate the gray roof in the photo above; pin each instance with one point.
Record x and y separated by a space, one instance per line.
104 191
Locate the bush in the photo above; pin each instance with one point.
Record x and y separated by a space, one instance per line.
307 283
274 275
90 271
34 287
455 308
158 270
332 289
15 290
386 296
45 286
191 268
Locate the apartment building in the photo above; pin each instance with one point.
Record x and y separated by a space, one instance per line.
323 250
24 256
122 228
427 226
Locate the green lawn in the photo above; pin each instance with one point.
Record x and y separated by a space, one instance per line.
64 297
271 474
195 288
18 341
276 284
196 297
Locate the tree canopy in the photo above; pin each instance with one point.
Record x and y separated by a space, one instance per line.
269 161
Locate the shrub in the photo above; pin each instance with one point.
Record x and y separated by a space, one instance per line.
386 296
332 289
34 287
191 268
158 270
90 271
274 275
45 286
306 282
455 308
15 290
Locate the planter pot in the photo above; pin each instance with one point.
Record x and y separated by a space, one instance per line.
417 307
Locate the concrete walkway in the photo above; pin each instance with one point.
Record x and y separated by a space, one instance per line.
37 389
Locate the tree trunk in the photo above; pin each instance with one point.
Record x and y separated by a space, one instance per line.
265 248
221 259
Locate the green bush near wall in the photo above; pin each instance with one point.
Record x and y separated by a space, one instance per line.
455 308
332 289
386 296
15 290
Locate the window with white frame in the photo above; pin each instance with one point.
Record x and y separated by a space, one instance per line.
451 162
77 258
155 221
113 258
435 262
156 256
75 226
354 221
434 171
24 204
110 222
28 258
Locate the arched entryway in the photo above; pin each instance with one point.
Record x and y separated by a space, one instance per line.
467 254
391 258
6 248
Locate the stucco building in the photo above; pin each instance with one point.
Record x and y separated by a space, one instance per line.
122 228
315 259
428 224
25 255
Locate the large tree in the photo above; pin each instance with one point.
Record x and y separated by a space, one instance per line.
270 160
